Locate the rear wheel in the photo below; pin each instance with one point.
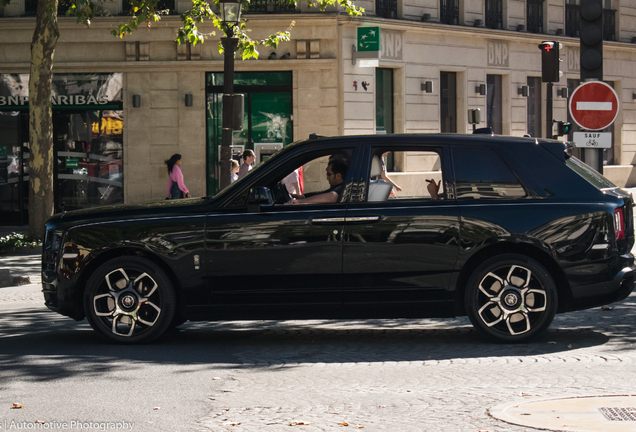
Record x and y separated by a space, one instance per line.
511 298
129 300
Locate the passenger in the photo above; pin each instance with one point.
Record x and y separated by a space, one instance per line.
248 159
386 178
292 182
336 172
234 170
433 188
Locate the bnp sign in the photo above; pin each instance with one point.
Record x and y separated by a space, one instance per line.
367 47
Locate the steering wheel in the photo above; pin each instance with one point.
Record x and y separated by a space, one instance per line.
281 194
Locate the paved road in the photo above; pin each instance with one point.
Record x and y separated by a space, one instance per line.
385 375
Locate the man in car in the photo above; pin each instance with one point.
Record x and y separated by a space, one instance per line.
336 172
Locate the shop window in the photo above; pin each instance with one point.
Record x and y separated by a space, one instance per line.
448 102
267 121
481 173
494 100
533 102
383 101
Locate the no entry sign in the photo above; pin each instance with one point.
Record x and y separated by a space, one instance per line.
594 105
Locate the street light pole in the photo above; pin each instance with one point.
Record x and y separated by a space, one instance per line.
230 16
229 48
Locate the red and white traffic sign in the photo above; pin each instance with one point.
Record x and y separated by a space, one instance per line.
594 105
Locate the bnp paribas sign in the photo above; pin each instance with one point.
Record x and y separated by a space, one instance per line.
366 51
89 91
60 100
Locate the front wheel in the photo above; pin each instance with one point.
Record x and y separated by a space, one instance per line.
511 298
129 300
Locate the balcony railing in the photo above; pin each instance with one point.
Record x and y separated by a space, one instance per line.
31 7
609 25
449 12
161 5
494 14
573 22
572 19
269 6
535 16
386 8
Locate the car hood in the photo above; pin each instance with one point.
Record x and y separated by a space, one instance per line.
129 211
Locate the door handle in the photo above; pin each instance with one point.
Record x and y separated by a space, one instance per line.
318 221
362 219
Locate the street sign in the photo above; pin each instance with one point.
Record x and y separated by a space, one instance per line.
593 139
594 105
72 162
368 39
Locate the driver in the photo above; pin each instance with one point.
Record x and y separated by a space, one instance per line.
336 172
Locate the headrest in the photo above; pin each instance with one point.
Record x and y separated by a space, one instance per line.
376 167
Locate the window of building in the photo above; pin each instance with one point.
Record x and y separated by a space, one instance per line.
481 173
494 14
449 12
386 8
535 16
448 102
383 101
494 99
533 102
417 175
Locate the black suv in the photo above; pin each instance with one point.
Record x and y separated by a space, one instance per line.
506 230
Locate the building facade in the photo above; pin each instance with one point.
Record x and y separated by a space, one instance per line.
123 106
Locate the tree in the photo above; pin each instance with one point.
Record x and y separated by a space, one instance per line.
144 13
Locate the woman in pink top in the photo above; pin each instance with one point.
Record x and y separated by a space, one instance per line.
175 178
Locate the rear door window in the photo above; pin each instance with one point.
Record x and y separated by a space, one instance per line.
481 173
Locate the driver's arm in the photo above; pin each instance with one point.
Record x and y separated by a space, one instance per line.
323 198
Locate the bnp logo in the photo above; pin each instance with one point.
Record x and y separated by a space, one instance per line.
368 39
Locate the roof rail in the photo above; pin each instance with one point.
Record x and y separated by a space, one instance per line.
484 131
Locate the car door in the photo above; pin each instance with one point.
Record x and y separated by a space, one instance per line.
280 261
399 254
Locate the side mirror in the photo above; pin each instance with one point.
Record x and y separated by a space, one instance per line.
257 197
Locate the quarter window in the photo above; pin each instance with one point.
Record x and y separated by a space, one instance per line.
481 173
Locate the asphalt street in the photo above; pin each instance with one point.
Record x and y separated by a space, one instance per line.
380 375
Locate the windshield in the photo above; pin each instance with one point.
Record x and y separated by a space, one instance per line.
589 174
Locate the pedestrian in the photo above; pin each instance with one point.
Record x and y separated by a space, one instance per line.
235 170
248 159
176 188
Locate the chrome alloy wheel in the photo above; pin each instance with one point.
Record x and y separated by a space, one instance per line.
509 298
129 302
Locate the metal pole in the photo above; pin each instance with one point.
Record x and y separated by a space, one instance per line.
548 109
229 48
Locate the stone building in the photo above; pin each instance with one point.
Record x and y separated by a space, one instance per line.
123 106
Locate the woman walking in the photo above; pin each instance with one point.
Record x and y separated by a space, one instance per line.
175 186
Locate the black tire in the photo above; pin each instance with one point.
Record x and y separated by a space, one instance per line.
129 300
511 298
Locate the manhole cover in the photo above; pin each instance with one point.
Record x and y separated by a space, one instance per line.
619 414
612 413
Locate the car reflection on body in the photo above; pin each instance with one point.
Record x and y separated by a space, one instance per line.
518 232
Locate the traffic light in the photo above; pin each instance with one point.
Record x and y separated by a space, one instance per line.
550 67
563 128
591 31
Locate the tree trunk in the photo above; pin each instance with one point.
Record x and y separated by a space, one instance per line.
41 117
